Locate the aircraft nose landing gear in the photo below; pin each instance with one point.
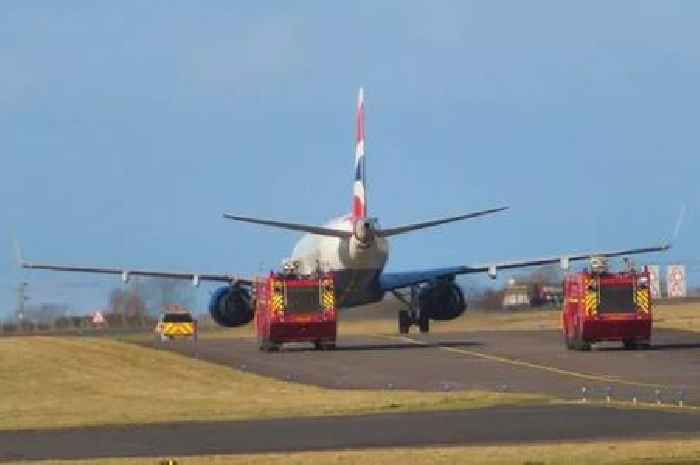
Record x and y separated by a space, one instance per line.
412 315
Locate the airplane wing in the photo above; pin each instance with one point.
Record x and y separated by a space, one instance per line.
397 280
125 274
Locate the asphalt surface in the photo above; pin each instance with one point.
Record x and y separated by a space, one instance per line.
480 426
517 361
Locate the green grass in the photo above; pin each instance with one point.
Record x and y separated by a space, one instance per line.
52 382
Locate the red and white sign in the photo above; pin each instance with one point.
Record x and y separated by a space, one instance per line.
675 281
654 281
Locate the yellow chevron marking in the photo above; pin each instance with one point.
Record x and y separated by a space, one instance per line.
178 329
277 302
642 298
328 298
591 303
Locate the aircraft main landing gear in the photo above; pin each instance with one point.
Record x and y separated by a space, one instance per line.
412 315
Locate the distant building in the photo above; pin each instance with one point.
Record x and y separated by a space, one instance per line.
516 295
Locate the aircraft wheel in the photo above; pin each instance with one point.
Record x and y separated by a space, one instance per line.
404 322
424 323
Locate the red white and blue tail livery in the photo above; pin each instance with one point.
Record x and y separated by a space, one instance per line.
359 202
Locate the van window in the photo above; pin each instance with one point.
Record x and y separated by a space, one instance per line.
177 318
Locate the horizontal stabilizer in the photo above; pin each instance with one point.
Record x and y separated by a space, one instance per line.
429 224
319 230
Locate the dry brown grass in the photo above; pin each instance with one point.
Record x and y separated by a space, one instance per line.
651 452
679 316
50 382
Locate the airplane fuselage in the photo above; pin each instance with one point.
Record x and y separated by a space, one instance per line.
355 265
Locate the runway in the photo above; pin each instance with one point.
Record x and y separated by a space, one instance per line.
517 361
514 361
480 426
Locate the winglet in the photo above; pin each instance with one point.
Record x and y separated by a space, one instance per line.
679 223
677 229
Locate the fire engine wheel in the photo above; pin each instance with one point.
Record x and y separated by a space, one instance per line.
324 345
404 322
424 323
582 345
579 342
267 345
568 341
630 344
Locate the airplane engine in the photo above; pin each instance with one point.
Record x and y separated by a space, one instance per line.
442 301
231 306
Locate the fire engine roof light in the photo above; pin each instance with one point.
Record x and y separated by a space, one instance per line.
599 264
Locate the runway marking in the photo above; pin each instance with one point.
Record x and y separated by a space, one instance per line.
521 363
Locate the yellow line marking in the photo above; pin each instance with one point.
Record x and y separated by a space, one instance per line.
536 366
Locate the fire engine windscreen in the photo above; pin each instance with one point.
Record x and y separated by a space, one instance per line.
617 299
303 300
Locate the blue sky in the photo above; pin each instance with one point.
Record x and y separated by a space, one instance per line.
127 128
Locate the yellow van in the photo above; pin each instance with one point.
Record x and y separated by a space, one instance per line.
176 324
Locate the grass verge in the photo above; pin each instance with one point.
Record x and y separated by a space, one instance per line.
680 316
651 452
51 382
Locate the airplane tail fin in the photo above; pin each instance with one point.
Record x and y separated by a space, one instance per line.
359 203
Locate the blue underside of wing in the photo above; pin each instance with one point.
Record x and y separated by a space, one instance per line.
397 280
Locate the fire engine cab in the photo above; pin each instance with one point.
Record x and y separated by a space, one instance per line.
600 305
294 308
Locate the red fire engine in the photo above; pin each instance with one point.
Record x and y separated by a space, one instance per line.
606 306
291 308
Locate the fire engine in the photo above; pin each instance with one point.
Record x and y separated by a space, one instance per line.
294 308
600 305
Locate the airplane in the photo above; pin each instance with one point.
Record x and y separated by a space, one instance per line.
355 249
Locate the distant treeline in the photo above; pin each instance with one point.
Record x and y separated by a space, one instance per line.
68 323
